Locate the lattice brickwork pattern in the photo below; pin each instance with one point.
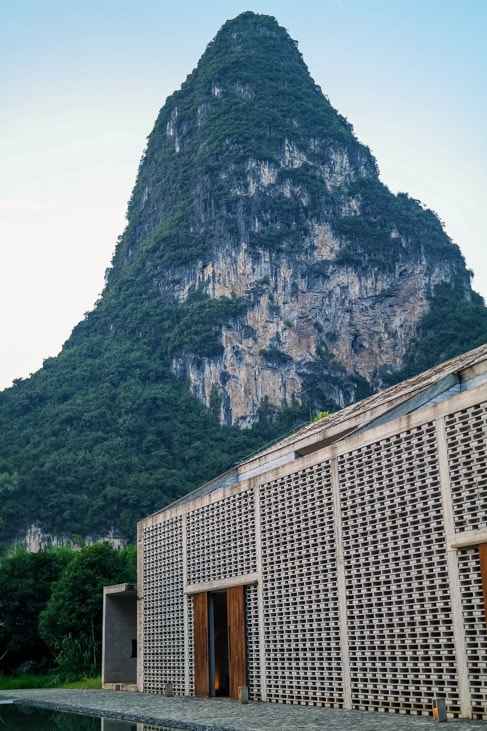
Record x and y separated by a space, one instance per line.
475 629
467 455
189 606
163 607
302 646
398 597
221 539
252 632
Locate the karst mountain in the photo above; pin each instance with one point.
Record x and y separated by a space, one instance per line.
265 274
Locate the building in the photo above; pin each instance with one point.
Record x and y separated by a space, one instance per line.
345 566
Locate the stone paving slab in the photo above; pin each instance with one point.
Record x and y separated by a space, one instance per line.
203 714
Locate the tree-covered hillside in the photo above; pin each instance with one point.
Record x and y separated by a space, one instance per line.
452 326
265 274
103 435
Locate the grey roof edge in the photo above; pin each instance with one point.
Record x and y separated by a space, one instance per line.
375 406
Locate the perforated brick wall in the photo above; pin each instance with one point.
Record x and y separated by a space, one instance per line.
221 539
190 627
398 598
388 518
466 432
163 607
252 638
475 629
301 621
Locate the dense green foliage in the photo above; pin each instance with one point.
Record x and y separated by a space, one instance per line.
452 326
105 434
71 622
25 587
390 229
51 606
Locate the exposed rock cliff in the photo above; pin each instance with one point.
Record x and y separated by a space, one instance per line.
35 540
254 187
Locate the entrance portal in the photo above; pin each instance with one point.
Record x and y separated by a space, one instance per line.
218 630
219 642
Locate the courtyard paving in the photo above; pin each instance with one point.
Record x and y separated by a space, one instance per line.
203 714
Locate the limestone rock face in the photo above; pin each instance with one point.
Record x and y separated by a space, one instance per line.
306 319
254 188
35 540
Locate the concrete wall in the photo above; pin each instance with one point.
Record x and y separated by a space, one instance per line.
119 665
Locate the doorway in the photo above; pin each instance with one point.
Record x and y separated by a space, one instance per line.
218 655
219 642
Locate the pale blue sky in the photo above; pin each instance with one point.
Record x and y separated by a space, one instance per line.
82 82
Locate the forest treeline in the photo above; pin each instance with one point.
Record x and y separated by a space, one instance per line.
51 607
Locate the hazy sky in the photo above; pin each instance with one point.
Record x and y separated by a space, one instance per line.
81 84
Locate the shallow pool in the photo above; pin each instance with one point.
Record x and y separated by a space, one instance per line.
16 717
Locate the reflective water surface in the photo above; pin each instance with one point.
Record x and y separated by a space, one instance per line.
16 717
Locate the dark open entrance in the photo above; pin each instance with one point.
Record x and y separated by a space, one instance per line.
219 642
218 630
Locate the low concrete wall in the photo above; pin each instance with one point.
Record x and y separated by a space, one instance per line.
119 663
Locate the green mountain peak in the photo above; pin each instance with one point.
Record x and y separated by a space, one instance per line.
265 275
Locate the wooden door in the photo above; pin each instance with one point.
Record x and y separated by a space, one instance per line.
200 629
483 573
237 660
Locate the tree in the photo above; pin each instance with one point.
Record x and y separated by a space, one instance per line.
8 482
25 586
71 623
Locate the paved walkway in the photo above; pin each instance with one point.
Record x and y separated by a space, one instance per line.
203 714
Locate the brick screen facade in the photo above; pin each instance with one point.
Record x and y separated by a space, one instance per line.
357 543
